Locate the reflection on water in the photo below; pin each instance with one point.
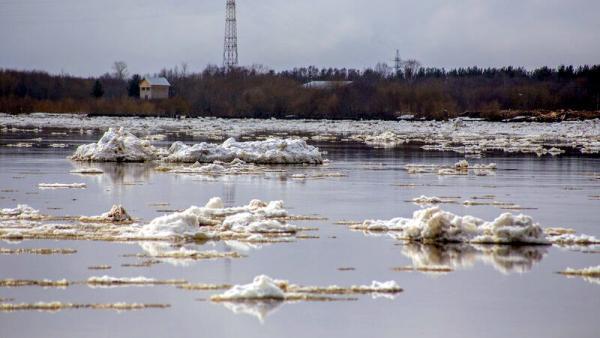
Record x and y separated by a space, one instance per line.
118 173
506 259
259 309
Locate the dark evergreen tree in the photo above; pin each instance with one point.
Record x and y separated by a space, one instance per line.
97 90
133 88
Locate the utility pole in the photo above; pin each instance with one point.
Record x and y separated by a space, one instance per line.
397 63
230 52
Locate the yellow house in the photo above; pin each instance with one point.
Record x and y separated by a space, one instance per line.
154 88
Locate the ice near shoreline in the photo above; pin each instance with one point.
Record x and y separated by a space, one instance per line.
118 145
459 135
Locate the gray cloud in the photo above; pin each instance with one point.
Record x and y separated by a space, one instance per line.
84 37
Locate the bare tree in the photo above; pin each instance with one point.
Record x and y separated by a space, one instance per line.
383 69
411 67
259 68
184 68
120 70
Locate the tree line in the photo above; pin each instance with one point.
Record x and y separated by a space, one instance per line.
256 91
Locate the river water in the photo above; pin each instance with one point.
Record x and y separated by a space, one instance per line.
492 291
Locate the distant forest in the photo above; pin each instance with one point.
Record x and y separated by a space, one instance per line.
433 93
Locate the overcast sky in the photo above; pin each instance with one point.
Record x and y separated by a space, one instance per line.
85 37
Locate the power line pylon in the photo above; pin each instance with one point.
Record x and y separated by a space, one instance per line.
397 63
230 52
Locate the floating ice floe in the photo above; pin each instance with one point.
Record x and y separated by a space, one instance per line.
58 306
591 274
458 135
20 145
573 239
593 271
214 221
257 222
266 288
117 145
180 256
87 171
108 281
217 168
270 151
62 186
386 139
117 214
462 167
22 211
435 225
262 288
37 251
432 200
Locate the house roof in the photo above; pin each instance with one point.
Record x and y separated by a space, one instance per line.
157 81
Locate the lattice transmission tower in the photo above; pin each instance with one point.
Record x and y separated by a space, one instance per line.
230 53
397 63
